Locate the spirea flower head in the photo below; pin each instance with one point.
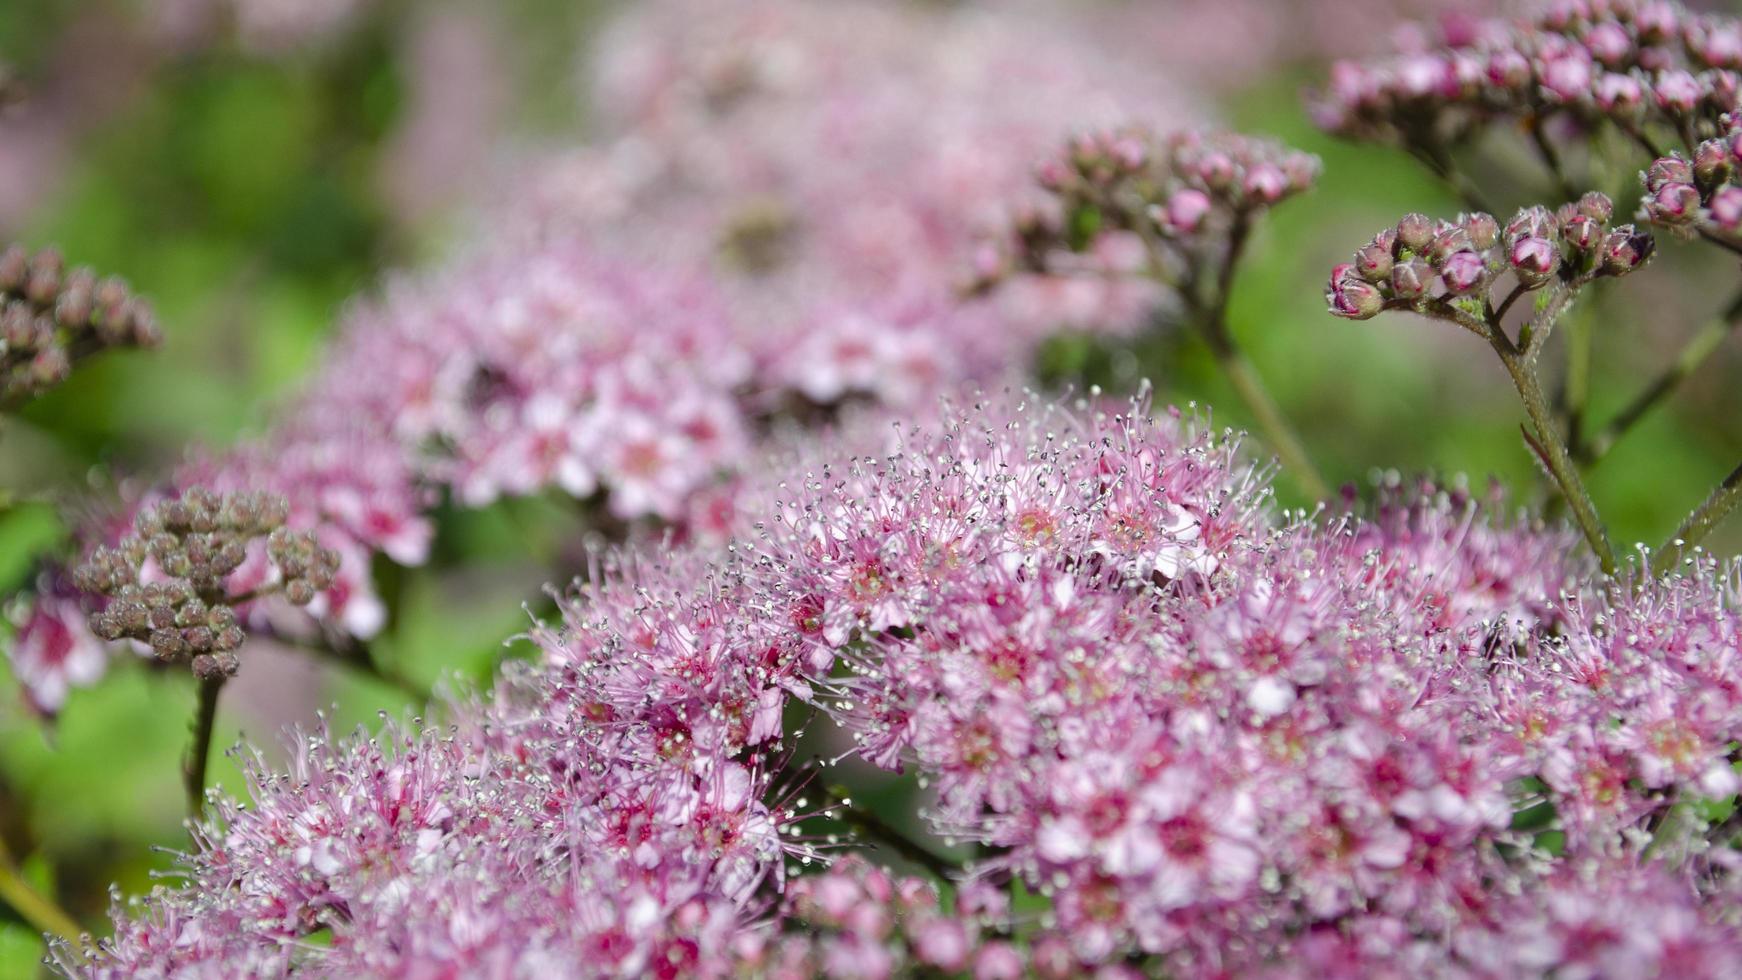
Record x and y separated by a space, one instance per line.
1210 739
1643 66
1426 265
52 317
551 366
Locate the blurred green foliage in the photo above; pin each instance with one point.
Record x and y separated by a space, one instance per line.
244 198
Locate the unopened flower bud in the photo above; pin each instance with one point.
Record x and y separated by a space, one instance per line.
1534 260
1668 170
1625 250
1676 91
1582 233
1726 209
1414 231
1350 297
1265 184
1411 279
1597 206
1185 210
1373 262
1673 204
1463 272
1711 163
1483 230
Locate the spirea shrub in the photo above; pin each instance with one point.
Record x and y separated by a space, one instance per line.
1422 737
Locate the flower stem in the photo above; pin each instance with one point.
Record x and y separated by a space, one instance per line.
199 752
1700 523
1270 420
868 823
1213 324
1553 452
31 905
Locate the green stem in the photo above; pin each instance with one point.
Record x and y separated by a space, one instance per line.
199 752
1554 456
1700 523
31 905
1698 348
877 829
1213 323
1435 157
1271 422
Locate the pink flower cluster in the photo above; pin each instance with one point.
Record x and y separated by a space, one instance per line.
1646 66
807 190
1698 195
1214 742
838 166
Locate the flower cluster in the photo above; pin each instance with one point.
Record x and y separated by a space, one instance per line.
1423 264
858 920
1643 66
1193 191
1697 196
52 317
632 363
551 366
838 167
175 582
1211 740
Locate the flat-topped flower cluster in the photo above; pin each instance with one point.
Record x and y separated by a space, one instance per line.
1215 739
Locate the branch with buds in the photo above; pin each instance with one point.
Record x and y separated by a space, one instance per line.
1472 272
52 318
1193 200
172 585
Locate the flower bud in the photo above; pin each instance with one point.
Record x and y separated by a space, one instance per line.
1608 43
1448 241
1597 206
1673 204
1582 233
1265 184
1533 222
1668 170
1676 91
1534 260
1185 211
1373 262
1414 231
1350 297
1483 230
1726 209
1625 250
1463 272
1411 279
1711 163
1619 95
1215 170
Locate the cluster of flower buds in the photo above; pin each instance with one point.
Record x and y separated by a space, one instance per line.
1697 196
1644 65
51 317
169 583
1190 188
1423 261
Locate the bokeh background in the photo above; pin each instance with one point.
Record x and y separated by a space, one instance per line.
250 166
